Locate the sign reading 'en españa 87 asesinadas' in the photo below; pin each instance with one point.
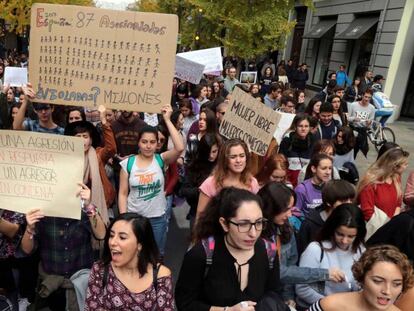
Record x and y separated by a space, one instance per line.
40 170
87 56
249 120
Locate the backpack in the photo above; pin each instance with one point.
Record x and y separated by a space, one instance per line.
349 172
131 161
210 243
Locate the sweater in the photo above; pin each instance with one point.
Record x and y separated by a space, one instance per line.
196 291
308 196
297 152
312 257
381 195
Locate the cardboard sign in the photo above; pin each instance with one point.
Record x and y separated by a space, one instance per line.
188 70
211 58
15 76
284 124
86 56
249 120
41 171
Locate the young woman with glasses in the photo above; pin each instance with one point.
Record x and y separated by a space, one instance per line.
228 267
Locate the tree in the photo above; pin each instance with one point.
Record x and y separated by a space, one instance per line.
17 12
246 28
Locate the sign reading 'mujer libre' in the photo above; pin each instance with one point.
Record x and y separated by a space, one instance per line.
41 171
87 56
249 120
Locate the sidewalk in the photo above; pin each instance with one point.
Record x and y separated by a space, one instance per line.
404 136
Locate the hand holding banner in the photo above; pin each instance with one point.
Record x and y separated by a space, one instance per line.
41 171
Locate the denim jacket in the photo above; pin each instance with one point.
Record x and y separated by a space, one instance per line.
291 274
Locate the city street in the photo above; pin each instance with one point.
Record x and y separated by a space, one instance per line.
179 234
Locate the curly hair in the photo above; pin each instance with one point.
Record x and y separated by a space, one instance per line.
384 253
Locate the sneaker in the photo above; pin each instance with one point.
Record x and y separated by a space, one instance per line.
23 304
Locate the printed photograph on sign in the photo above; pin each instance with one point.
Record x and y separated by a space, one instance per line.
86 56
248 77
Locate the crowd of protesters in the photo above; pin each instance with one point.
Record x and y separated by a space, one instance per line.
296 229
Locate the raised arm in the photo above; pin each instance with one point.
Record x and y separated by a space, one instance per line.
19 118
174 153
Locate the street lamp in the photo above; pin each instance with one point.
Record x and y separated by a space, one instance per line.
197 36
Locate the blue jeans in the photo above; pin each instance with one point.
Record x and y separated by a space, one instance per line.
159 227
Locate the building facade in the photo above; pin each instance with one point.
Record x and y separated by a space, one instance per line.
361 34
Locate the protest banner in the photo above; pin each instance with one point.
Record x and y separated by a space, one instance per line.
249 120
188 70
41 171
15 76
284 124
86 56
211 58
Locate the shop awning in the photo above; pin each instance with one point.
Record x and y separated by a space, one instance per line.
357 28
321 28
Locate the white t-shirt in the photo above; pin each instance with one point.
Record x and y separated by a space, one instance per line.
146 189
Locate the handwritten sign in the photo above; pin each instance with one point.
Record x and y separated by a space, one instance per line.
15 76
86 56
40 171
249 120
188 70
211 58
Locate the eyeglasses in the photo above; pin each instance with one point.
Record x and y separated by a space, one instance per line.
244 227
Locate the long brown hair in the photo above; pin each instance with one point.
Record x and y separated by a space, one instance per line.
221 171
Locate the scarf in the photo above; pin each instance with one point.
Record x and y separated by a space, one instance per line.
91 172
299 144
342 149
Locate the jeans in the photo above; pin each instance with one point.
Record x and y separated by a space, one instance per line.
159 227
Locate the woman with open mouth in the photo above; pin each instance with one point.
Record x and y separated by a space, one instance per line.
129 276
384 273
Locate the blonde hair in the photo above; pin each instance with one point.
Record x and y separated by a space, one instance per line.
385 167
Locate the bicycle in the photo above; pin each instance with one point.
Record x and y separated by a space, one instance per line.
379 134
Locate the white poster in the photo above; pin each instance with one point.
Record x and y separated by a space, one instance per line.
283 125
188 70
15 76
211 58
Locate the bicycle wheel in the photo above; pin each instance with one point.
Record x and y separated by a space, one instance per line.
388 135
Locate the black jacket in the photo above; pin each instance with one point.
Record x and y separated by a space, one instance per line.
309 229
399 231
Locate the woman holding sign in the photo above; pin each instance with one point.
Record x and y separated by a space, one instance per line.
94 175
141 182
